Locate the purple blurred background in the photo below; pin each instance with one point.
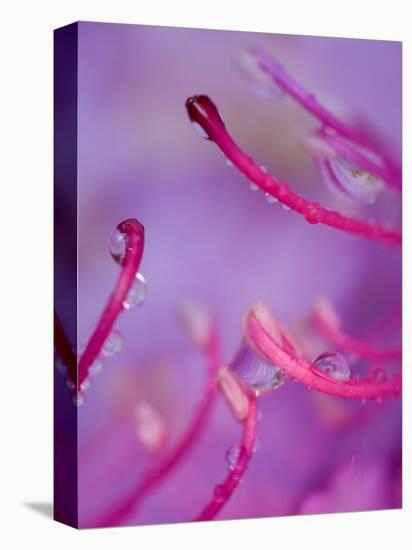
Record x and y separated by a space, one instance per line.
208 237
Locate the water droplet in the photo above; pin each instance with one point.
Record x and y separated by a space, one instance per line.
117 246
229 162
253 186
232 456
262 83
332 365
96 367
78 399
260 375
85 385
219 493
270 199
113 344
285 206
137 293
378 374
200 130
359 184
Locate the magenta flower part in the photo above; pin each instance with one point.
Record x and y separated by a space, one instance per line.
263 376
225 490
204 114
259 329
167 463
355 144
133 232
324 319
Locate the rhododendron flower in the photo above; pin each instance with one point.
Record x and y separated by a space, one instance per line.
260 374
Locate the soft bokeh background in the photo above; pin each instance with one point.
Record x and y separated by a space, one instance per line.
210 238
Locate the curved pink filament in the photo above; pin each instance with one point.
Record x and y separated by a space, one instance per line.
302 371
341 340
223 492
134 233
157 473
202 111
390 173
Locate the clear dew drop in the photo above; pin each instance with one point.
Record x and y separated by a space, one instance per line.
332 365
85 385
117 246
262 83
270 199
137 293
113 344
232 456
78 399
96 367
260 375
200 130
348 181
253 186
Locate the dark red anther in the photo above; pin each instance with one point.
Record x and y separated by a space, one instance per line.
204 115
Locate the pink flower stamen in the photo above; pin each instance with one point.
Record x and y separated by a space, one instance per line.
159 471
322 319
306 373
203 112
355 146
225 490
133 232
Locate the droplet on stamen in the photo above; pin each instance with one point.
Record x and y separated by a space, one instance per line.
270 199
253 186
137 293
332 365
232 456
85 385
360 185
113 344
117 246
200 130
262 83
78 399
96 367
260 375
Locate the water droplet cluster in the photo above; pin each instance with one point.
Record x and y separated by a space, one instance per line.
260 375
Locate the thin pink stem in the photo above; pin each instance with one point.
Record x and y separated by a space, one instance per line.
302 371
390 173
343 341
203 112
157 473
134 233
223 492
